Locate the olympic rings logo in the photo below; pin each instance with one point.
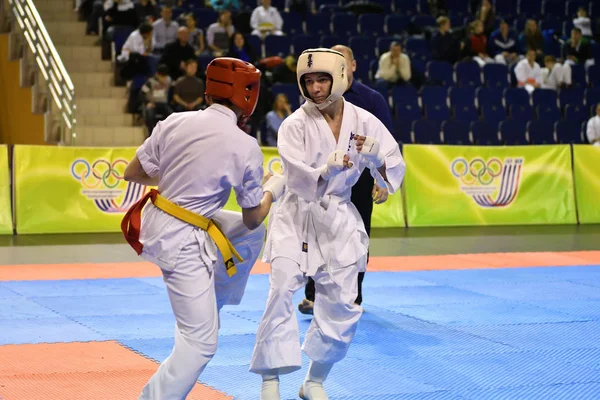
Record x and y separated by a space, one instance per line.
100 171
274 166
477 170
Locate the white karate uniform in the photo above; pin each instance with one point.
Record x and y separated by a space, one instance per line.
316 231
524 72
199 157
262 17
593 130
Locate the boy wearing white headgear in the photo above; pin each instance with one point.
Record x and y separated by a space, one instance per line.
316 231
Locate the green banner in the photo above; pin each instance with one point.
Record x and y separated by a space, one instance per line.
472 185
5 208
587 182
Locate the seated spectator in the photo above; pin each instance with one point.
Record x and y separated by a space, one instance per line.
165 29
503 45
394 66
300 6
219 33
266 20
188 90
577 50
146 10
532 38
222 5
286 72
528 72
135 52
555 75
238 48
281 110
476 44
196 35
177 54
584 23
155 94
487 16
593 128
444 46
120 12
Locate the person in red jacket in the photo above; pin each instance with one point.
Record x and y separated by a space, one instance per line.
476 44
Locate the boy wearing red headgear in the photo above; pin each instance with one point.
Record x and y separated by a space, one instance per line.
196 158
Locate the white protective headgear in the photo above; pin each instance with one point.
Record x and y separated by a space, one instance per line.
327 61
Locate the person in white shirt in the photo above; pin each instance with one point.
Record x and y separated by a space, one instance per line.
394 65
165 29
593 128
266 20
138 42
528 72
583 22
555 75
185 232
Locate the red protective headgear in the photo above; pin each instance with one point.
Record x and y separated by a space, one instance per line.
234 80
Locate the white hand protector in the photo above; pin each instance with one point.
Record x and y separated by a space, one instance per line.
370 151
335 165
275 185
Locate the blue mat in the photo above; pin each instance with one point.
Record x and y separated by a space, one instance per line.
525 333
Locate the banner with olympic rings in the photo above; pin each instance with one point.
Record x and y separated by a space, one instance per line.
72 189
472 185
587 182
6 225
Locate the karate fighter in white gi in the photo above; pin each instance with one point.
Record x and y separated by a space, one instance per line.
315 230
196 159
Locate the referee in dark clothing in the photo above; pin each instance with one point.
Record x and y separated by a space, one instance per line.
362 192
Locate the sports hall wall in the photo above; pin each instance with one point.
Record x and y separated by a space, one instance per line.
81 189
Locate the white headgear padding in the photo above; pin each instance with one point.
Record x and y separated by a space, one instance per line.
326 61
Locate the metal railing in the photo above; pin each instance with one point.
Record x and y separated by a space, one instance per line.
50 65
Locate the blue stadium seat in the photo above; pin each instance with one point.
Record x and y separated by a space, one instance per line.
330 9
576 113
548 112
319 3
423 20
466 113
397 24
418 65
493 113
495 75
458 20
373 67
386 4
592 96
205 17
119 37
544 97
440 72
405 94
568 132
290 90
406 6
431 95
520 112
330 41
487 96
416 45
530 8
578 79
512 77
567 27
408 112
402 130
515 96
371 24
436 112
427 132
519 24
570 96
303 42
485 133
255 43
382 88
363 47
513 132
344 24
460 96
292 23
383 44
362 70
318 24
468 73
554 8
456 132
506 8
540 132
458 6
277 45
593 75
551 24
552 47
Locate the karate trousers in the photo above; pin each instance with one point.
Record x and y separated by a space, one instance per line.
197 290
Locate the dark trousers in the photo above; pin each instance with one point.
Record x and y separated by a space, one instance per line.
362 198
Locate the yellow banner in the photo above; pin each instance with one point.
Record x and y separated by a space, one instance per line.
5 207
587 182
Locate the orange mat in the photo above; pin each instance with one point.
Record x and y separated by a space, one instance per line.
401 263
79 371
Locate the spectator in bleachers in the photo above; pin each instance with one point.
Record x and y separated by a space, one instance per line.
188 90
238 48
532 38
165 29
135 52
266 20
155 94
528 72
219 33
593 128
394 66
577 50
444 46
476 44
554 74
120 12
584 23
222 5
487 16
176 54
196 35
503 44
286 71
300 6
146 10
281 110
